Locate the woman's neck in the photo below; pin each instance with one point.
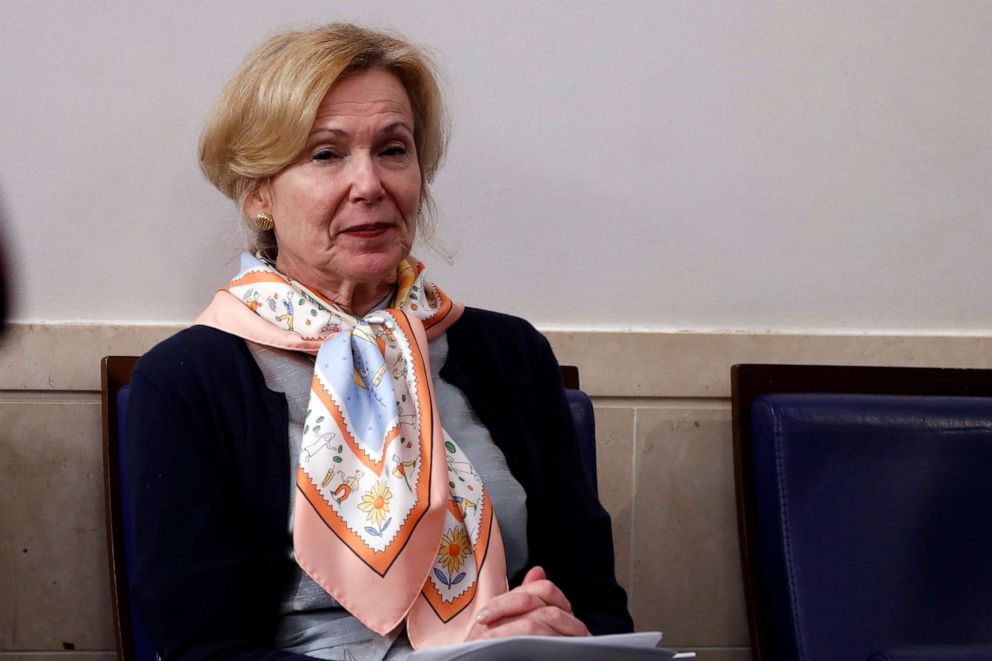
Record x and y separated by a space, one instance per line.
354 297
358 300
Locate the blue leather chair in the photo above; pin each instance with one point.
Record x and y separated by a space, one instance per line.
865 519
132 641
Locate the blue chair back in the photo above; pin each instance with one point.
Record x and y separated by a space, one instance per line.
865 518
875 521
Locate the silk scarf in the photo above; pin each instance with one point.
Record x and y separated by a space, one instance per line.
390 516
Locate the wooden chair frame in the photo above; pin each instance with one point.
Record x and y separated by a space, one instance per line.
115 372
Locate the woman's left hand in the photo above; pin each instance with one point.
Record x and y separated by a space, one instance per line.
536 608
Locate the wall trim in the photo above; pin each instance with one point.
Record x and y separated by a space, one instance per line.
60 356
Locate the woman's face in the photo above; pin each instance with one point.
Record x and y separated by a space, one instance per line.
345 210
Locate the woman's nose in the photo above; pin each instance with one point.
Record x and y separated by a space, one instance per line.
366 185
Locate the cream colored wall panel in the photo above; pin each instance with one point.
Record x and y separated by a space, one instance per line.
667 481
612 364
67 356
614 468
53 556
616 364
686 565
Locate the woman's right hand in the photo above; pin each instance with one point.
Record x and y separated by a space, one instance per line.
535 608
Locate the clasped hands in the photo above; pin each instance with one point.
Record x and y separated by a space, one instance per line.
535 608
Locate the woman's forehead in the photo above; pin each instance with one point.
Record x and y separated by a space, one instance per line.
376 93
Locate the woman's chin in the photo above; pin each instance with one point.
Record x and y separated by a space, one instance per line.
373 268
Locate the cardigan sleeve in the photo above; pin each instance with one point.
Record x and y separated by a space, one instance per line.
582 561
512 379
199 585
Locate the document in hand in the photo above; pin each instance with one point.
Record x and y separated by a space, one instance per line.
642 645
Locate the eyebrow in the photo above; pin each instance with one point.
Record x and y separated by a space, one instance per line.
388 128
398 124
335 132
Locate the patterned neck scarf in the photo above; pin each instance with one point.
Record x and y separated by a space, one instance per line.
390 518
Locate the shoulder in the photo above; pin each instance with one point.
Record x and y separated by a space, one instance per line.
500 347
504 330
193 340
198 353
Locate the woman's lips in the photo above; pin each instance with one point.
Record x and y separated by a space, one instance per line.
368 231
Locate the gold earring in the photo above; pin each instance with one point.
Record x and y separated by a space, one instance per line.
264 222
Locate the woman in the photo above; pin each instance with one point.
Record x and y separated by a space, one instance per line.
338 460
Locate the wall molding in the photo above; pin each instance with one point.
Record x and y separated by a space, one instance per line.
59 356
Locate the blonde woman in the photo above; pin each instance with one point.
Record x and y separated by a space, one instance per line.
337 460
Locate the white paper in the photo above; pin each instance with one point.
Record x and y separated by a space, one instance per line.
641 645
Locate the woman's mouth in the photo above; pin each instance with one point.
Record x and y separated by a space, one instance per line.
368 230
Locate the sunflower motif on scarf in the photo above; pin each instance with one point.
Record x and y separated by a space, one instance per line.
375 503
454 549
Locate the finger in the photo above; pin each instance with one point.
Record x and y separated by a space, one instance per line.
565 623
547 592
516 627
550 617
523 599
511 604
547 621
535 573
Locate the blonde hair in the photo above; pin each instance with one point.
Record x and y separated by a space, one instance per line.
263 118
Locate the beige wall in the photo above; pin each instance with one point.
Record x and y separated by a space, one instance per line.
665 470
711 164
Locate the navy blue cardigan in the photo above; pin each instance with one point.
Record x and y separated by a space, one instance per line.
208 477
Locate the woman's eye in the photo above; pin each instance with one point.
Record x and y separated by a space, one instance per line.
324 155
394 150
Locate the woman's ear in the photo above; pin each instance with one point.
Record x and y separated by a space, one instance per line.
259 200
